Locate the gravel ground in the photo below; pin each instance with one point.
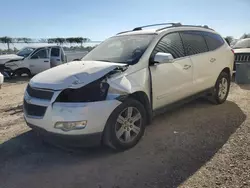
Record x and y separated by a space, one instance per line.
196 145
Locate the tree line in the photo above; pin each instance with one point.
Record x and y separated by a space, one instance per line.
60 41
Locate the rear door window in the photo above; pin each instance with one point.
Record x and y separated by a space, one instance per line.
213 40
194 42
55 52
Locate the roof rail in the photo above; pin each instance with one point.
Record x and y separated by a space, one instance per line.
170 25
200 26
152 25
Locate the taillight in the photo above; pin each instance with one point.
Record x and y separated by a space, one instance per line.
232 50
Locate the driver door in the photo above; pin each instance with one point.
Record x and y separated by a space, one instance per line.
174 80
39 61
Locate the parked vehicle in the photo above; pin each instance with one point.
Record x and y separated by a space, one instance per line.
115 90
1 80
32 60
242 51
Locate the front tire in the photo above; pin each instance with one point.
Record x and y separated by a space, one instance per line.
221 88
126 125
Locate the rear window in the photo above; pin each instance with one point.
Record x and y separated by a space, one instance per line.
194 42
213 40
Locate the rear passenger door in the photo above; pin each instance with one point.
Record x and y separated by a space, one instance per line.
219 53
196 48
171 81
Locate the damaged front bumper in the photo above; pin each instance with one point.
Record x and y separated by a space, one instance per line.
95 114
87 140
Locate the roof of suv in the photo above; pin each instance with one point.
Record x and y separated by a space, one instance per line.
140 30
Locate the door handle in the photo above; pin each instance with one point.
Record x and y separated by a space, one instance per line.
212 60
186 67
46 61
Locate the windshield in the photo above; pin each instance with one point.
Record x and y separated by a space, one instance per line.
25 52
245 43
126 49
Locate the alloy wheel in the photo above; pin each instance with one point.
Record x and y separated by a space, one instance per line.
128 124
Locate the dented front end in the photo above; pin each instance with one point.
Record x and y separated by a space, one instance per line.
98 90
79 108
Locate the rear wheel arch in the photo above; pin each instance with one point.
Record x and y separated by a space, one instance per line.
215 98
226 70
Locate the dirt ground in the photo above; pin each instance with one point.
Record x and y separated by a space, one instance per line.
196 145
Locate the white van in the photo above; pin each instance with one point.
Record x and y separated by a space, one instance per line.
112 94
32 60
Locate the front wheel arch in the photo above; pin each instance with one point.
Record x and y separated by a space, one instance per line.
109 138
21 71
142 97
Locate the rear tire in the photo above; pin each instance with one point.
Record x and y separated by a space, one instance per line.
221 88
125 126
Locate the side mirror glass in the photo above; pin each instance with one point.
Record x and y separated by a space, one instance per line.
161 57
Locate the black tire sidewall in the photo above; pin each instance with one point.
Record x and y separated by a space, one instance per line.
216 94
110 134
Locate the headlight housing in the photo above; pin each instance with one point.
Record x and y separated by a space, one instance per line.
94 91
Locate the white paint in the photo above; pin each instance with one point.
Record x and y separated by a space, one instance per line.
242 50
74 74
95 113
170 82
1 79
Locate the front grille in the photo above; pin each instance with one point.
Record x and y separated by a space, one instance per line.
243 57
41 94
34 110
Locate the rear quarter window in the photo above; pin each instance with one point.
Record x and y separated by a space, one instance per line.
213 40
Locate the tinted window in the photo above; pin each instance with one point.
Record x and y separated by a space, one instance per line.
41 54
55 52
214 41
172 44
194 42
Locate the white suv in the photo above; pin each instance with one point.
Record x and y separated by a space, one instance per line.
113 92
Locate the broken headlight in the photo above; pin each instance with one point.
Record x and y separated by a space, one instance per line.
95 91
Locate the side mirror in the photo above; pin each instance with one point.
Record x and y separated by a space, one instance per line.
161 57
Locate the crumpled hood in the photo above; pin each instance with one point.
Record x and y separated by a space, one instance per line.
74 74
242 50
5 58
